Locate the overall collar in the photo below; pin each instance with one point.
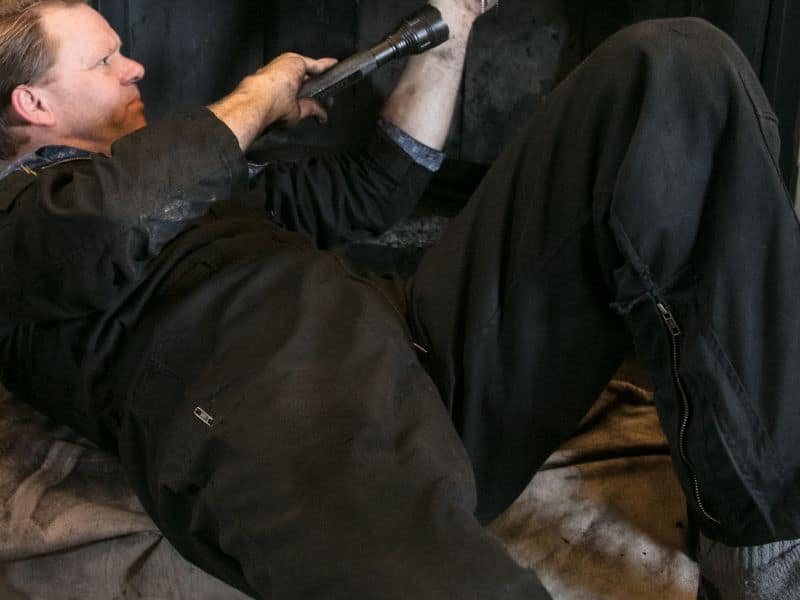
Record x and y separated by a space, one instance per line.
44 156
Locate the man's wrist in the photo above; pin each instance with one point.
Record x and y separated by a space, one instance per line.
469 10
459 20
459 15
247 110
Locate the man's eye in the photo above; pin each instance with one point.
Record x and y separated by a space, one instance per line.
104 61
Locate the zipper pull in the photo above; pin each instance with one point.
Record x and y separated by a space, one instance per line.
672 324
204 417
670 321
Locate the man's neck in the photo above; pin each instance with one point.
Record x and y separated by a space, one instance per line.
38 141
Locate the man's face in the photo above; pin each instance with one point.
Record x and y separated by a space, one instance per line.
91 87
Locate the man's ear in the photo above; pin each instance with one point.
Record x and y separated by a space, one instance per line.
31 106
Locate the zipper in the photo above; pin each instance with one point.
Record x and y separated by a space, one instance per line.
204 417
44 167
63 161
675 332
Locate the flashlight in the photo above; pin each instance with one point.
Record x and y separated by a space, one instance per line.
422 31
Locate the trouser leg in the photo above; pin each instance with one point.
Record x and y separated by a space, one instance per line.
642 203
303 454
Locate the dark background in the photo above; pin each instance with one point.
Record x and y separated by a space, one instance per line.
195 51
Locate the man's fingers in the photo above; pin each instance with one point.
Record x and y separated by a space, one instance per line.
315 67
309 108
312 108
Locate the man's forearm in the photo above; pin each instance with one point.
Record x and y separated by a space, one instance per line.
244 115
424 100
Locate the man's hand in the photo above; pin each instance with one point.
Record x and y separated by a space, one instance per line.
269 96
281 79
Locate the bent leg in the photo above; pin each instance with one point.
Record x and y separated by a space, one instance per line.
643 203
295 447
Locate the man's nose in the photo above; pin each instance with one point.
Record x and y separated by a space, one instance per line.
134 71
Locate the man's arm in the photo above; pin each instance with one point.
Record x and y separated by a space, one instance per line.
422 104
424 100
340 198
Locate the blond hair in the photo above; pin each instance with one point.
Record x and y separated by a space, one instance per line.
26 54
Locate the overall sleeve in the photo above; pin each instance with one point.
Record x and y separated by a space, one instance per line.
348 196
81 231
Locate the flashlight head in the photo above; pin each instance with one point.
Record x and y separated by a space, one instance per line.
422 31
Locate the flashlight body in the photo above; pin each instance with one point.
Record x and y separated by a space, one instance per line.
344 74
424 30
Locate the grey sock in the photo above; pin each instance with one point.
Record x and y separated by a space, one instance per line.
767 572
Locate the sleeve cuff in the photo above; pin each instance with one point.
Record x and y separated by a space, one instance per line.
421 154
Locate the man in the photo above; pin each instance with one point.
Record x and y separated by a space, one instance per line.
342 501
268 402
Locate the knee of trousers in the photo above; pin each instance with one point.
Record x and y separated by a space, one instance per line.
685 51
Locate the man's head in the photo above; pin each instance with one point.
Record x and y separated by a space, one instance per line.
63 79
